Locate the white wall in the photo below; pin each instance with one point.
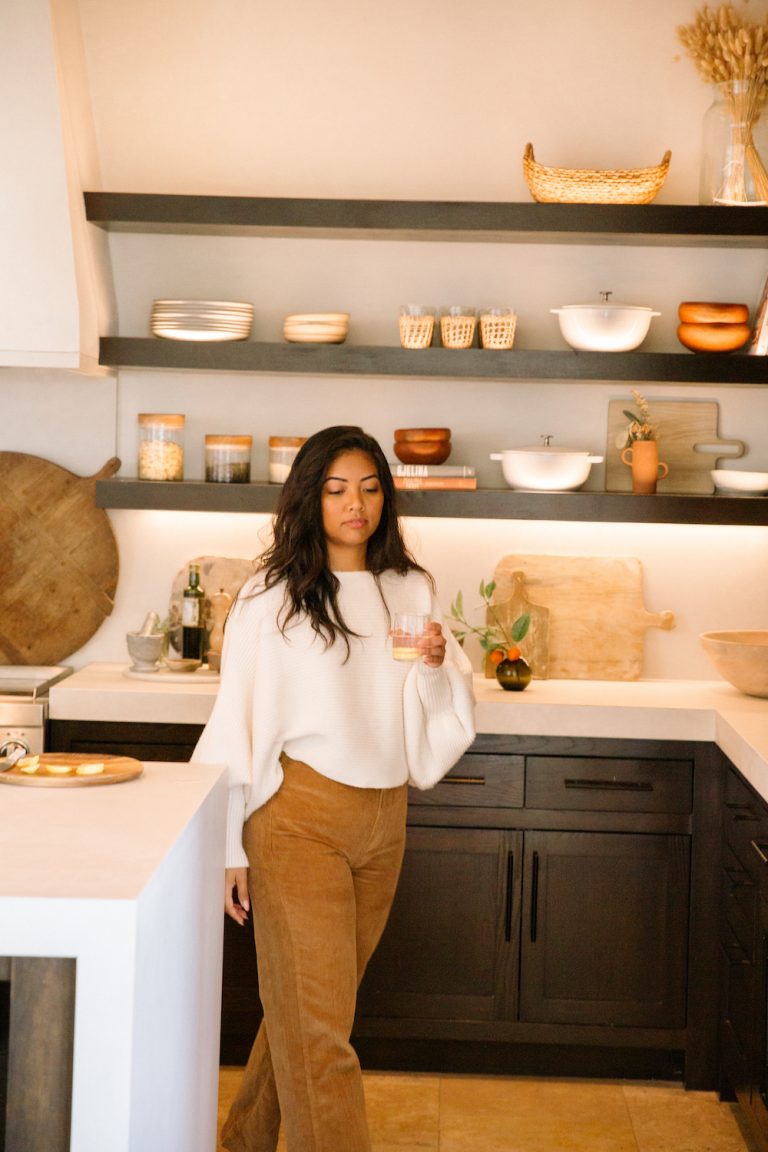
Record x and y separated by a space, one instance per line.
412 101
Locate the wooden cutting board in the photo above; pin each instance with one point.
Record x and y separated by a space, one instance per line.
535 644
688 442
117 769
597 619
59 559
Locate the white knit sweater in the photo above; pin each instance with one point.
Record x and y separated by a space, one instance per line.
369 721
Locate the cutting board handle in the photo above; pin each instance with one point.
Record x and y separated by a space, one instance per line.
109 469
731 448
664 620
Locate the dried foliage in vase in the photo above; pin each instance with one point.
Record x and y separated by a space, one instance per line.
640 426
731 51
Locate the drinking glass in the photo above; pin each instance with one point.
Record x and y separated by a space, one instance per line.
407 627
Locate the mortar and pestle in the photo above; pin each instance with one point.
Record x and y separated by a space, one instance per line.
146 646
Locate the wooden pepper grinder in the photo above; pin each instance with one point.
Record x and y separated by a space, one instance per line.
220 602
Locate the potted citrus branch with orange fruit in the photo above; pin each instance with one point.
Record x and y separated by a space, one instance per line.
499 643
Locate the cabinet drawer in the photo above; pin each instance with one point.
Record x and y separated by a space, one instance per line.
608 785
739 908
745 827
479 780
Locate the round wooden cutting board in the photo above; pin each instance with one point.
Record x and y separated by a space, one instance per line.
59 559
116 770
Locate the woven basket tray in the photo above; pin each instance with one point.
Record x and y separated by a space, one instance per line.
583 186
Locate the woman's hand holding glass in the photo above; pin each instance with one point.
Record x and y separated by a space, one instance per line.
415 636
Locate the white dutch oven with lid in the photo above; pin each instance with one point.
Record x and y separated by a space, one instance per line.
604 327
546 468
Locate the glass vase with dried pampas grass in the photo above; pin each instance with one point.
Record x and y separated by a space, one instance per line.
730 52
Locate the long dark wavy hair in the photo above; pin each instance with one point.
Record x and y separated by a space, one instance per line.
298 554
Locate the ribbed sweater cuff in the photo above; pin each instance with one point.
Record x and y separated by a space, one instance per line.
235 853
434 688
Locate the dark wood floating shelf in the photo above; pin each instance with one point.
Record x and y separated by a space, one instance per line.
482 504
473 363
677 224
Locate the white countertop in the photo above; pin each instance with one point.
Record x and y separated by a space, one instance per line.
97 842
709 710
104 692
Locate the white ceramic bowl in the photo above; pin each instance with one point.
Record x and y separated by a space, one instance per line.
545 469
604 327
730 480
741 658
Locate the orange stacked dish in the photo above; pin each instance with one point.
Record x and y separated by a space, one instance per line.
713 327
422 445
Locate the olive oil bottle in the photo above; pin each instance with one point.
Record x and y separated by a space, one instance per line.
192 629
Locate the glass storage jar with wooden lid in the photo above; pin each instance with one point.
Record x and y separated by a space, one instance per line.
161 446
282 453
228 459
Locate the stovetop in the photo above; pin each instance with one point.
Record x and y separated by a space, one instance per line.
30 681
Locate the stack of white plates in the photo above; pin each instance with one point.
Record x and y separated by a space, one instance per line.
201 319
317 328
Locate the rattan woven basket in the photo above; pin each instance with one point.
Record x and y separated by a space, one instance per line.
584 186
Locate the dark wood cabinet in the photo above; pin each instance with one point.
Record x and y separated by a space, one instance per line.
450 950
171 742
554 913
744 945
544 920
605 929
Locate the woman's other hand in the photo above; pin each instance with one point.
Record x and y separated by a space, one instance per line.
432 645
236 898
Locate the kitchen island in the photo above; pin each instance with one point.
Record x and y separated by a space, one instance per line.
124 880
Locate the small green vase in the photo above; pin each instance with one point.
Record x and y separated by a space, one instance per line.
514 675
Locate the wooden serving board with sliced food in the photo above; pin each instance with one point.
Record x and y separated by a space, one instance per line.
71 770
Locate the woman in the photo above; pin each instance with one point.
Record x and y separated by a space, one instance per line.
322 730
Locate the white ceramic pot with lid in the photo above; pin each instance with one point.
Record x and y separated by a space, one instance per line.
605 327
546 468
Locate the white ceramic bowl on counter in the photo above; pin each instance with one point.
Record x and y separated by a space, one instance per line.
741 658
604 327
546 468
731 480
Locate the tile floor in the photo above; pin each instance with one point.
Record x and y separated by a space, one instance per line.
431 1113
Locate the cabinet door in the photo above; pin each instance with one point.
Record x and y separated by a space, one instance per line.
605 926
449 950
759 1099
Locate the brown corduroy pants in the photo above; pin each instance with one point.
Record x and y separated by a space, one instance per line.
324 862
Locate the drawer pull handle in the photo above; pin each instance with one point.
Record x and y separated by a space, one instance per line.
742 811
610 785
534 896
510 894
761 851
463 780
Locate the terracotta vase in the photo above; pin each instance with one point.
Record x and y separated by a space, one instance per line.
642 456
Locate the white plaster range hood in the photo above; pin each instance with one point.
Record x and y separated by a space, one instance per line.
55 292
